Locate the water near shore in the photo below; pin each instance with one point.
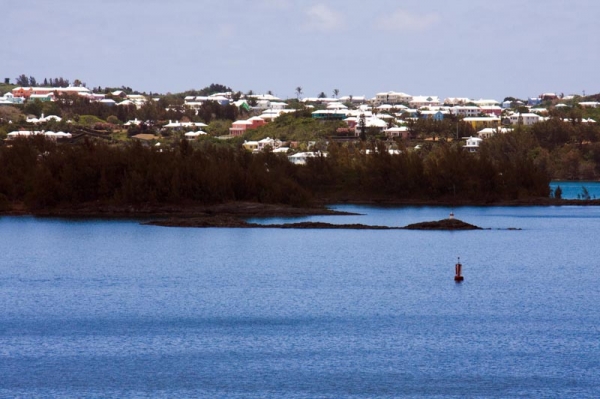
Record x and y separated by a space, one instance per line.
102 308
577 189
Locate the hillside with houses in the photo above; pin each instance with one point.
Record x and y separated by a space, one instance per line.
390 145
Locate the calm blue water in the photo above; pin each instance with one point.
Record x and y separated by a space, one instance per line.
575 189
95 309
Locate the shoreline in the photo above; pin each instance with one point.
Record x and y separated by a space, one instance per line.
245 209
234 214
233 222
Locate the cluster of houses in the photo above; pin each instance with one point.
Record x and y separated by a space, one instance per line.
388 112
46 133
19 95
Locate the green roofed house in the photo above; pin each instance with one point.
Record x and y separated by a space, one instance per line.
330 114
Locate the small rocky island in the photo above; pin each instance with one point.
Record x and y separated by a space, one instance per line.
236 222
444 224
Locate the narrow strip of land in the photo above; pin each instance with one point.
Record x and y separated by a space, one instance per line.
236 222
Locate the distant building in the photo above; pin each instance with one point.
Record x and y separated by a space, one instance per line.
494 110
238 128
391 97
301 157
451 101
472 144
526 119
480 122
465 110
402 132
10 99
489 132
330 114
26 92
424 101
485 102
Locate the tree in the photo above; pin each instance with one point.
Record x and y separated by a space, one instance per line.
22 80
33 108
335 92
362 127
298 92
558 192
322 95
585 194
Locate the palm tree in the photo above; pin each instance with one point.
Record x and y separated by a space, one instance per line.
298 92
335 92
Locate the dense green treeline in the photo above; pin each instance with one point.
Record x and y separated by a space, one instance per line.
445 172
43 174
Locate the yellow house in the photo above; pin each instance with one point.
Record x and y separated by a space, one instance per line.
482 122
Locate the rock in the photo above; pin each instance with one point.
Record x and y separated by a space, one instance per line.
444 224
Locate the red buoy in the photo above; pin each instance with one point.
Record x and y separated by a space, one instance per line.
458 270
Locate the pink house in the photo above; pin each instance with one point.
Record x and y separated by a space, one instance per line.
491 110
238 128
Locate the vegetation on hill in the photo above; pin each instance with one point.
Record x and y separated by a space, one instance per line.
296 126
509 166
43 174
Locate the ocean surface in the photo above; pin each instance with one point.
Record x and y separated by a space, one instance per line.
116 309
577 189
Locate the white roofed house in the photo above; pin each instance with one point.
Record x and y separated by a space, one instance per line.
424 101
119 93
301 157
134 122
488 132
391 97
181 125
472 144
30 133
370 122
194 134
251 145
590 104
43 119
10 99
126 103
353 99
108 101
137 99
466 110
526 119
485 102
268 142
452 101
27 92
